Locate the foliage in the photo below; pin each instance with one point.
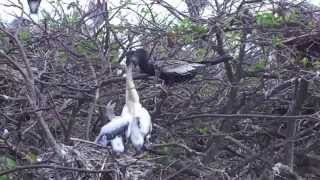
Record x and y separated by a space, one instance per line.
201 53
316 64
277 41
233 38
114 53
4 178
268 19
272 20
189 30
25 36
63 16
204 130
10 163
63 58
292 17
6 163
86 47
187 26
260 65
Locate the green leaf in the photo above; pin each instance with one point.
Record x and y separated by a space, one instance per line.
4 178
164 149
63 58
204 130
72 19
260 66
201 52
316 64
32 157
10 163
188 39
24 36
292 17
186 24
200 29
268 19
276 41
306 61
85 47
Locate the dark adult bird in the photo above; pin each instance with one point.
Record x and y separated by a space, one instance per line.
170 71
34 6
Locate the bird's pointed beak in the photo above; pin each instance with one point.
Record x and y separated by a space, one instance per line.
34 6
134 61
131 59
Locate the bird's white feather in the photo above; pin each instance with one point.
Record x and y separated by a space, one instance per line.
136 136
115 128
127 115
145 121
117 144
181 69
140 121
178 67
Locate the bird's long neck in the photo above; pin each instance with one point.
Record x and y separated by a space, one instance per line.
146 67
131 92
110 113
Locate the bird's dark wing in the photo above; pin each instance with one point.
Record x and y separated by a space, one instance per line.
177 67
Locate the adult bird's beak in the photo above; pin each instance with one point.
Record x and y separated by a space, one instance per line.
34 6
131 58
135 61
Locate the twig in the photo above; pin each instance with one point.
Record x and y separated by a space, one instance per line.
271 148
32 95
237 116
19 168
179 171
300 95
94 104
183 146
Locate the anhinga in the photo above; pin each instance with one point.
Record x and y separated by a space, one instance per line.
140 125
134 121
34 6
171 71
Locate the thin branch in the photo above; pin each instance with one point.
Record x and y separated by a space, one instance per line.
19 168
237 116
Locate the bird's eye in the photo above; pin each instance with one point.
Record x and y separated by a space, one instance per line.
139 124
137 120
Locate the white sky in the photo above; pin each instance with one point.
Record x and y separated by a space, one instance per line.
5 11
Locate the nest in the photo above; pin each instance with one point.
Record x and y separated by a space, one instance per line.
85 160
